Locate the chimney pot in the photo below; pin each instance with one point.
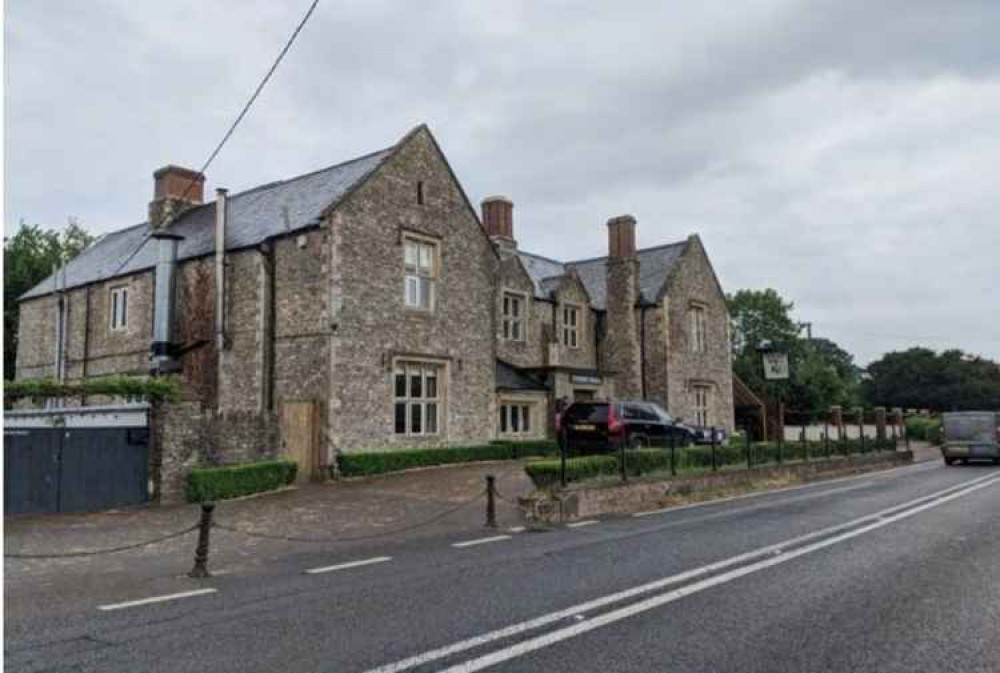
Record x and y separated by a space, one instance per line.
498 219
175 189
621 236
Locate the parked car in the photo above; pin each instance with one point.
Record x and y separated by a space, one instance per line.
971 435
601 427
703 434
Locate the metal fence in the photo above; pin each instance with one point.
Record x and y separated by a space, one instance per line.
672 456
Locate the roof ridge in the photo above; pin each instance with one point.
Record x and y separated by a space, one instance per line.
537 256
275 183
654 248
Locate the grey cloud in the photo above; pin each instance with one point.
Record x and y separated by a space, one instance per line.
838 151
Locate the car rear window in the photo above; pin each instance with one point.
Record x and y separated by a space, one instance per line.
587 413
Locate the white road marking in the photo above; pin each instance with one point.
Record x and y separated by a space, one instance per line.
482 540
583 608
349 564
156 599
581 524
516 529
565 633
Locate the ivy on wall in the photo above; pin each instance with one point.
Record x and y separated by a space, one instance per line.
143 387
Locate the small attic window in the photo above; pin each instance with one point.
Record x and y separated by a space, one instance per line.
420 192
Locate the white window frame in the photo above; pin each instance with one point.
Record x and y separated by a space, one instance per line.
516 418
513 320
419 402
421 270
697 335
571 328
118 308
702 404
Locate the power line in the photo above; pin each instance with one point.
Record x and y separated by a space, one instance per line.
256 93
234 125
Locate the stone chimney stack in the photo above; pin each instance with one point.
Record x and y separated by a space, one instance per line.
498 218
175 189
621 353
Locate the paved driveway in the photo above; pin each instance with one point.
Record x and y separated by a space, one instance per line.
344 515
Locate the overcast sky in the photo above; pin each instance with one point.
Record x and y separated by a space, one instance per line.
844 153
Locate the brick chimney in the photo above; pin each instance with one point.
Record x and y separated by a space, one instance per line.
621 352
498 218
175 189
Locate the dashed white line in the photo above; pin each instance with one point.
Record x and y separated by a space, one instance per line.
482 540
516 529
349 564
581 524
156 599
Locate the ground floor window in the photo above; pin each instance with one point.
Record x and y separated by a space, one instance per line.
702 399
418 398
515 419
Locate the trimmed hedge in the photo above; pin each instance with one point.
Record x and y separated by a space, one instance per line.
233 481
390 460
924 428
546 473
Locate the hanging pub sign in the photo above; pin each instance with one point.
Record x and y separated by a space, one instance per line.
775 365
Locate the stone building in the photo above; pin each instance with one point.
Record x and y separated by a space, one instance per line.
369 301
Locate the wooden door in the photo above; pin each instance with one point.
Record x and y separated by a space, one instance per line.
300 436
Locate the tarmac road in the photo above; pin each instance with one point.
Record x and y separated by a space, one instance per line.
891 571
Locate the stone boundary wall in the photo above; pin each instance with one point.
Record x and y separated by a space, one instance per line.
188 434
582 501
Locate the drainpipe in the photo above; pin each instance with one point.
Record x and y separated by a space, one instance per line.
221 217
269 328
642 349
86 336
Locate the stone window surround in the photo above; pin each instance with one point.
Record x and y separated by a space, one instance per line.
118 299
697 326
574 330
516 413
703 413
441 398
434 276
523 299
537 405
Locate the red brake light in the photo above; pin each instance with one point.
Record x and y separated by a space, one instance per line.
615 426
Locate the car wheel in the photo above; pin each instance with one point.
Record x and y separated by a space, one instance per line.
638 442
949 461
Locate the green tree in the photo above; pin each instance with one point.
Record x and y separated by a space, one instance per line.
29 256
920 378
821 372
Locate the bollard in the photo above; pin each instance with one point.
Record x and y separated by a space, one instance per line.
673 455
621 460
491 502
805 443
826 438
749 454
200 568
715 458
562 463
781 441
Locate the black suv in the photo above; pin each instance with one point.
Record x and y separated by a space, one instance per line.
600 427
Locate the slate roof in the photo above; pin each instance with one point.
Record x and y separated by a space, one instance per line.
509 377
655 264
254 216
